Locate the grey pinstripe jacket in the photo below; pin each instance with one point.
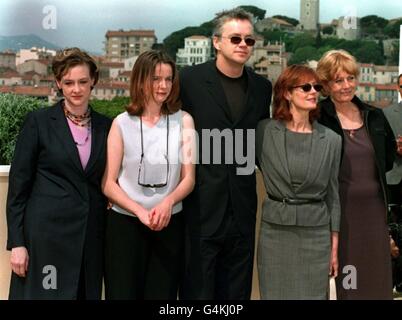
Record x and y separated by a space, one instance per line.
321 179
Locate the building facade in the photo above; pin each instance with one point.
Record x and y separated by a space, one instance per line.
120 45
8 60
197 49
348 28
309 14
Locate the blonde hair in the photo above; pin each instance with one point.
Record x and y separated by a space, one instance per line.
334 61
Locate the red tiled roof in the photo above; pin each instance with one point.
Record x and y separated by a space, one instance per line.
112 64
27 90
125 74
378 86
7 53
389 86
112 85
366 65
46 78
197 37
9 74
131 33
386 68
280 21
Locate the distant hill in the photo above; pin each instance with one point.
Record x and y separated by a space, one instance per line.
16 43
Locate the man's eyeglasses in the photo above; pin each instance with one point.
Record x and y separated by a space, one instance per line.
400 87
308 86
236 40
141 168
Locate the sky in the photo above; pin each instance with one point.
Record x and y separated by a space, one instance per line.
84 23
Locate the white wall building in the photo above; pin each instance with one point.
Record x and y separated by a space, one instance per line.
33 54
309 14
129 63
197 49
348 28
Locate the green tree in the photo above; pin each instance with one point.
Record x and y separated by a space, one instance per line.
13 109
302 40
328 30
369 52
176 39
392 29
292 21
373 25
274 35
304 54
258 13
318 39
394 60
110 108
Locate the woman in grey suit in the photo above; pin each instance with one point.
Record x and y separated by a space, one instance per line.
299 159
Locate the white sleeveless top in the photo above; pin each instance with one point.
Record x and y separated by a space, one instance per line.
154 167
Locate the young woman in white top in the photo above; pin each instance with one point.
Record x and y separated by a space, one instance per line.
149 171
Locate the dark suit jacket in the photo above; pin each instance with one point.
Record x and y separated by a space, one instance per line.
54 207
203 97
393 114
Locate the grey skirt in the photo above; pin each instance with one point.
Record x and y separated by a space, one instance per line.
293 262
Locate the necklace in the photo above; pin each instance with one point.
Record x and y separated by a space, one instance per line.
83 120
352 133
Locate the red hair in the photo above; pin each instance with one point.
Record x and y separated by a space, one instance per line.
292 76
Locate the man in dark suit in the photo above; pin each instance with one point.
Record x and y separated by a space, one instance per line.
394 181
226 101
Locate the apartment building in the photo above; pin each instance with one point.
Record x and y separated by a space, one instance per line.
34 54
378 74
197 49
120 44
8 60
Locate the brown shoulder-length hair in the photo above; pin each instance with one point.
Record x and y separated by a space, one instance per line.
292 76
141 83
71 57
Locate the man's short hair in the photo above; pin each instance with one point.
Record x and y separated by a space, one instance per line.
227 15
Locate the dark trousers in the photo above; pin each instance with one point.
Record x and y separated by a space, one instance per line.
395 201
219 267
141 263
81 291
395 204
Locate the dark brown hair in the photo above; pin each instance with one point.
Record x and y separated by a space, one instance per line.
71 57
292 76
141 83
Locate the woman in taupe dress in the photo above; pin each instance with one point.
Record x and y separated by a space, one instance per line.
299 160
368 151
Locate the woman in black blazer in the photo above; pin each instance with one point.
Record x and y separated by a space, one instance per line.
55 207
368 151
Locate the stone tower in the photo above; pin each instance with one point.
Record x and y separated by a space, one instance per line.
309 14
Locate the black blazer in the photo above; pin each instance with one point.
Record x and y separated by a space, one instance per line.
217 185
55 208
378 128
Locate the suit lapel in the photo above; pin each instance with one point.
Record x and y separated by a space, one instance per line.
97 132
62 131
315 157
278 135
215 88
